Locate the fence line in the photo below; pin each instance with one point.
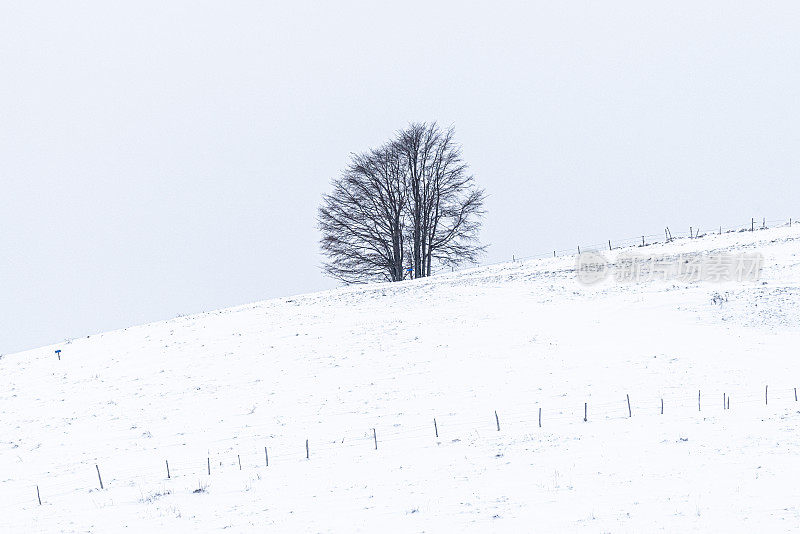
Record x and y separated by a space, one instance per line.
248 456
638 241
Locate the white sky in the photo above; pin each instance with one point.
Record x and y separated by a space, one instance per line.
159 158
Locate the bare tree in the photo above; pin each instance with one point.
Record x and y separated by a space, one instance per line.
407 205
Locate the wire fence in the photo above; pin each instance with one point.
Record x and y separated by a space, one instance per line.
644 240
549 416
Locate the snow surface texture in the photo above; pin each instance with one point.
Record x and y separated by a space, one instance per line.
212 390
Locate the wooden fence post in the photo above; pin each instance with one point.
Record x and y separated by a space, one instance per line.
662 406
375 438
209 465
167 468
497 419
629 404
239 458
307 453
540 417
435 428
98 476
266 456
38 496
585 411
698 400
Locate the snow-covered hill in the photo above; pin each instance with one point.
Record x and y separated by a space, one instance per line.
474 350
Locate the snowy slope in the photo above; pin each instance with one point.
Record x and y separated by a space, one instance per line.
215 389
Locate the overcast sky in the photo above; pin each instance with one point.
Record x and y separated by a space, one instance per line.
164 158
